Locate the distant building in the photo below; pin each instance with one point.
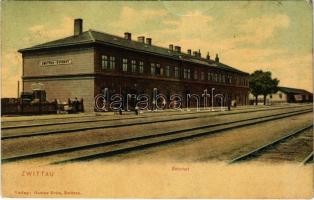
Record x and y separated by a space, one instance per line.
285 95
91 62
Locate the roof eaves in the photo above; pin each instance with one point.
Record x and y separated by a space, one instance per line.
54 46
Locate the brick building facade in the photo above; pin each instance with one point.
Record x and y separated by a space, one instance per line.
84 64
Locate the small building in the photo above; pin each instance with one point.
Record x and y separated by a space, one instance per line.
285 95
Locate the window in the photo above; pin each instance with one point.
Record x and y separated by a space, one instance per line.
158 69
152 68
133 64
230 79
141 66
187 73
195 74
209 76
104 62
216 77
176 72
202 76
280 96
167 71
125 65
219 78
223 78
112 62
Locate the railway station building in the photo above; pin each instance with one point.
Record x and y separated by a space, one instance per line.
86 63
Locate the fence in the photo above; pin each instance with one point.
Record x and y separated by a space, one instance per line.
18 107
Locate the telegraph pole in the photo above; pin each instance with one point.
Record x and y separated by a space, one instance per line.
18 89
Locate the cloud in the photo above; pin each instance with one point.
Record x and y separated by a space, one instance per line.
132 19
193 24
10 73
46 32
257 30
11 70
292 71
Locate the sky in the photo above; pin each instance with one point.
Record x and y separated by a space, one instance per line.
249 35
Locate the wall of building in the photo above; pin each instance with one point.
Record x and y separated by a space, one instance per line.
118 81
80 60
65 88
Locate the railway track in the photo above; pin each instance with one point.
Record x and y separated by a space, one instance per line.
15 133
105 118
258 151
109 148
308 159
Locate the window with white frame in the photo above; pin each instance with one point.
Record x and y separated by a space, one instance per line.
112 64
133 65
125 64
167 71
176 72
141 66
216 77
104 62
152 68
195 74
202 76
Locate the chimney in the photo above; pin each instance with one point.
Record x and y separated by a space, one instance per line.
217 58
195 53
189 51
78 26
208 56
149 41
177 49
127 36
171 47
141 39
199 53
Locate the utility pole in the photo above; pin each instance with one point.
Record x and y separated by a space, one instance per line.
18 89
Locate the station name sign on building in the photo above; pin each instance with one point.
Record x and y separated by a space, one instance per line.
55 62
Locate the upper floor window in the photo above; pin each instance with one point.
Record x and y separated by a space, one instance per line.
167 71
176 72
209 76
112 63
187 73
104 62
216 77
202 76
229 79
125 64
223 78
141 66
158 69
195 74
133 64
152 68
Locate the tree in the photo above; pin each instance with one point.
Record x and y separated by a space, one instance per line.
261 83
